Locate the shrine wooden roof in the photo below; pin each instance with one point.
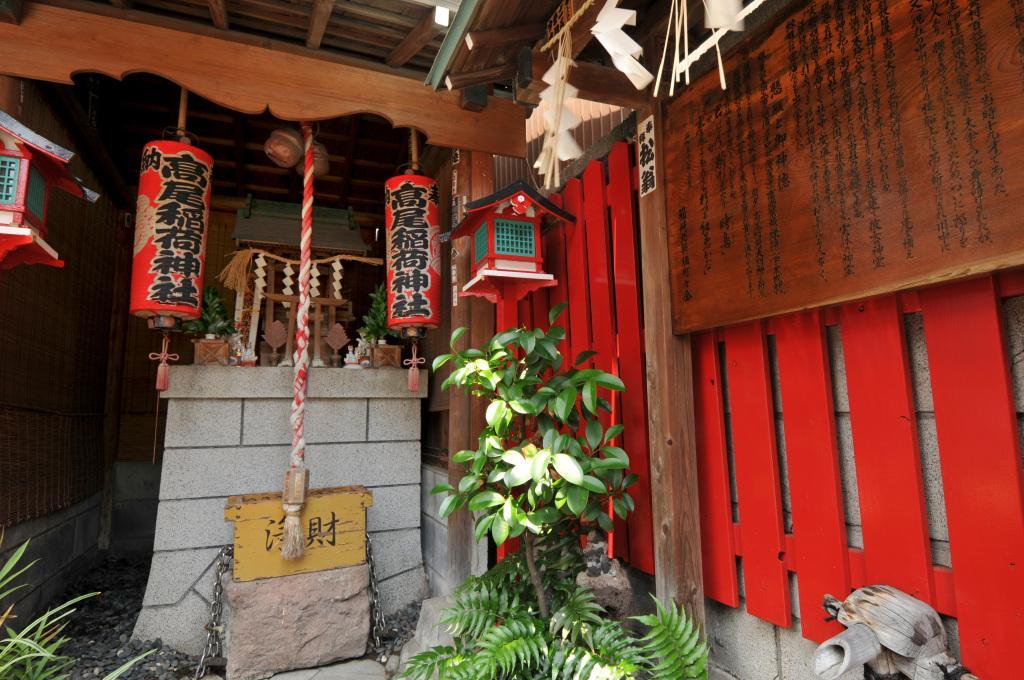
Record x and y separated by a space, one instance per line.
397 34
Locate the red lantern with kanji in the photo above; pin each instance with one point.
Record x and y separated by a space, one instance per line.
412 219
173 207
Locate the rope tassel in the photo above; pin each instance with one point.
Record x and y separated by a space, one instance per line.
296 481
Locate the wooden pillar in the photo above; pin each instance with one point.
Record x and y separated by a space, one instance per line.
466 415
675 503
10 95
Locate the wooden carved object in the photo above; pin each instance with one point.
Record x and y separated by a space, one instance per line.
386 356
211 352
892 634
336 339
276 336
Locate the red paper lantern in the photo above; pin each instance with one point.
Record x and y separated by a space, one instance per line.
412 219
175 185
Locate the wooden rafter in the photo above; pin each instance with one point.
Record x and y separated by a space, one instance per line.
496 37
10 11
595 82
318 20
218 13
457 81
413 43
53 42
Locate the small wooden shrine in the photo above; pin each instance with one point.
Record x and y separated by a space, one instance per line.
30 167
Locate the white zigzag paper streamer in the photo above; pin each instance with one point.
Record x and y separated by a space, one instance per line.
624 51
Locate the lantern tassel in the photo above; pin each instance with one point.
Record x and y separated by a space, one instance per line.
414 368
163 356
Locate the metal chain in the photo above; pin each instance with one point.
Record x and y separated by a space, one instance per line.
213 653
378 626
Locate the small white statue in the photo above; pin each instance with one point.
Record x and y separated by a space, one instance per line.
351 360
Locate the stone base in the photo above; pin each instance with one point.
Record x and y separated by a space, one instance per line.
299 621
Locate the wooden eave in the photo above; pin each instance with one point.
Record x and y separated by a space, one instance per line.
52 43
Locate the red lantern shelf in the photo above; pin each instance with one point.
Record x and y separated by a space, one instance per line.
30 167
508 263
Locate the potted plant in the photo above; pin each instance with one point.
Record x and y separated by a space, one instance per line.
376 332
546 470
214 326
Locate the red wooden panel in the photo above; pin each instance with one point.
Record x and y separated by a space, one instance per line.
756 463
539 304
554 263
525 313
718 552
598 257
890 487
812 458
621 201
981 470
576 271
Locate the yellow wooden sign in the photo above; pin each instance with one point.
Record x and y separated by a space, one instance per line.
334 521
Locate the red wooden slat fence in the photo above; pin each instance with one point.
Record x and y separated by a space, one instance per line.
978 445
596 264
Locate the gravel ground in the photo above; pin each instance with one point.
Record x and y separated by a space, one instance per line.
101 628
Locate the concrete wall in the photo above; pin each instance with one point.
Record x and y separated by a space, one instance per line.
136 496
63 544
748 648
228 433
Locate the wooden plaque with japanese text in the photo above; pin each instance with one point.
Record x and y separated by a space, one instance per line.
863 146
334 520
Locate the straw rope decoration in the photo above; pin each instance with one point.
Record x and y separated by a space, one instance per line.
297 478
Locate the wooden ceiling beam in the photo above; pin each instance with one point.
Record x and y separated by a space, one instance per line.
595 82
417 39
10 11
53 42
457 81
497 37
318 19
122 4
218 13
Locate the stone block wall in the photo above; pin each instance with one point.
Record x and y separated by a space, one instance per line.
228 433
434 536
136 497
62 544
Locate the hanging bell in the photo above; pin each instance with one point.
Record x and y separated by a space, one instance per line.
321 163
284 147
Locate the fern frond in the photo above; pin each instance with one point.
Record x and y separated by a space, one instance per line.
475 609
569 662
615 645
513 649
433 662
579 612
673 646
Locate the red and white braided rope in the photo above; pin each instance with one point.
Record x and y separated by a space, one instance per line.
302 314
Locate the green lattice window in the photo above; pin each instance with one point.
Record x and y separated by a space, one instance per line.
9 179
480 243
512 237
35 194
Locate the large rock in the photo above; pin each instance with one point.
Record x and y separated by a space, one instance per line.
299 621
430 632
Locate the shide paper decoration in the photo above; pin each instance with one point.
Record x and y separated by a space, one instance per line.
721 16
623 50
559 120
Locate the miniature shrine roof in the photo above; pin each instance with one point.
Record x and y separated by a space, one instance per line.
52 155
477 210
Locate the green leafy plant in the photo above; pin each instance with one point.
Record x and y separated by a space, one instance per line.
544 460
545 470
499 635
375 321
214 317
33 652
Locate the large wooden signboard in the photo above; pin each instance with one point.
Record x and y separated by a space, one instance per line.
334 520
865 146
